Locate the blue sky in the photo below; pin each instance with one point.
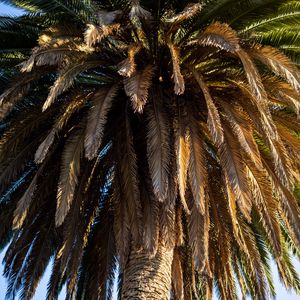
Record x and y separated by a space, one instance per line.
282 294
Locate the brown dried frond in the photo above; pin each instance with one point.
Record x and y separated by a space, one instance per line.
94 34
158 146
121 221
234 168
268 130
18 90
138 12
127 173
45 56
151 211
267 206
97 119
5 109
182 152
253 77
127 67
11 96
220 236
67 112
197 165
242 129
218 35
43 149
199 227
189 11
222 36
259 114
177 277
289 208
55 44
233 212
21 210
16 146
279 63
178 78
107 17
61 121
213 119
282 161
66 78
291 143
168 215
286 119
137 87
253 262
70 171
282 92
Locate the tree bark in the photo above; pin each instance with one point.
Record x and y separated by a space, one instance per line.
148 277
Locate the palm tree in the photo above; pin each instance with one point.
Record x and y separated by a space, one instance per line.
157 137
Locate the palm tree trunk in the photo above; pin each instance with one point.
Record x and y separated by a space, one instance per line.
148 277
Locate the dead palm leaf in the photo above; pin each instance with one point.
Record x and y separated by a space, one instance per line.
70 171
158 148
102 102
213 119
178 78
137 87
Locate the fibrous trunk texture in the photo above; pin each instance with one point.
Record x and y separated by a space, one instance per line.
148 277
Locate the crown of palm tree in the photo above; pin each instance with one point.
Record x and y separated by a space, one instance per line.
147 123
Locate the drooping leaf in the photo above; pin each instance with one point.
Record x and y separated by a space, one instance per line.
97 119
213 119
197 166
137 87
234 168
158 147
178 78
94 34
70 171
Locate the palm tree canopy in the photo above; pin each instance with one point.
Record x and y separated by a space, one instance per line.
138 123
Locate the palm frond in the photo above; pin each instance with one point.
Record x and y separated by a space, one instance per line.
220 36
278 63
16 92
199 238
242 130
97 119
286 19
42 56
189 11
126 176
182 146
150 212
158 148
267 206
178 78
137 11
94 34
66 78
213 119
128 66
42 150
137 87
233 165
70 171
24 203
197 166
253 77
177 277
